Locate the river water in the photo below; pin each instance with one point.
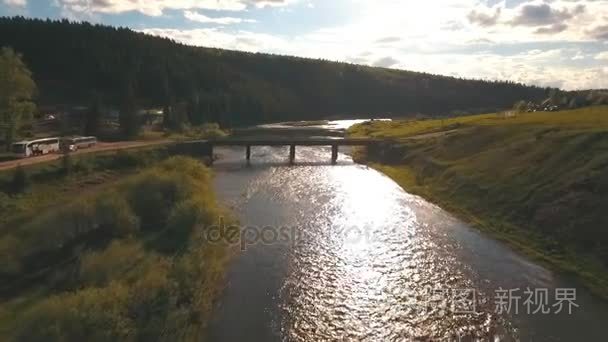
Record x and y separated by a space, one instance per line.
342 253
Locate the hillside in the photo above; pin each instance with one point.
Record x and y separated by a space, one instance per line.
77 63
537 180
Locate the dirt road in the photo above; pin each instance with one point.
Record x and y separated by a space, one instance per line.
114 146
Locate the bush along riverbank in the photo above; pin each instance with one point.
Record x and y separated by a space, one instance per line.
26 190
125 262
538 181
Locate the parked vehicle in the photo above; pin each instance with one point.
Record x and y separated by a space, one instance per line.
73 144
24 149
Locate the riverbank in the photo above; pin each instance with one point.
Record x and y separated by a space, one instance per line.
122 258
534 180
67 176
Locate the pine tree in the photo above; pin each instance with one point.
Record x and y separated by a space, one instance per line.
93 118
129 123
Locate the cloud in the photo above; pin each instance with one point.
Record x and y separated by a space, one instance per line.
15 3
602 56
357 60
478 41
555 28
269 3
536 20
544 14
157 7
452 25
542 68
201 18
579 55
484 19
214 37
386 62
390 39
599 32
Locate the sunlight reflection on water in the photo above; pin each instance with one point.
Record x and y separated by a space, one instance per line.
364 263
369 261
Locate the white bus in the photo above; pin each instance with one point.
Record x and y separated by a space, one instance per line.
38 147
73 144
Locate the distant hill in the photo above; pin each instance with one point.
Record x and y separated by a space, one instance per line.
76 62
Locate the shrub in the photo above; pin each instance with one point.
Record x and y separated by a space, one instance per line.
127 291
5 202
20 181
150 303
212 131
199 266
189 167
67 164
10 253
181 223
117 262
152 195
125 160
51 230
84 165
114 215
91 314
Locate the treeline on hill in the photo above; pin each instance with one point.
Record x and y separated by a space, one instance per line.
558 100
92 64
577 99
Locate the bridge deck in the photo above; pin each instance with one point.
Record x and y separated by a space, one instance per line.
296 142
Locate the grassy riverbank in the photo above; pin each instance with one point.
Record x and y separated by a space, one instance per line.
536 180
122 259
45 183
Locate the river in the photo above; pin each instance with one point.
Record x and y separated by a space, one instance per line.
342 253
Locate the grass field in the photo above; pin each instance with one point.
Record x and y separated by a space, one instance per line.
587 119
536 180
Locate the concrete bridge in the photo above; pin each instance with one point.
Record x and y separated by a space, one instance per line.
292 143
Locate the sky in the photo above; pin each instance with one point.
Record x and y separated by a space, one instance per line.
557 43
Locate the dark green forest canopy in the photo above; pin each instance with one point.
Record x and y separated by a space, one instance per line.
73 62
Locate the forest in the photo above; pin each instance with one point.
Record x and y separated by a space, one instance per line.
78 63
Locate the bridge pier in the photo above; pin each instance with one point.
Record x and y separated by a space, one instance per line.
334 154
248 143
292 153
